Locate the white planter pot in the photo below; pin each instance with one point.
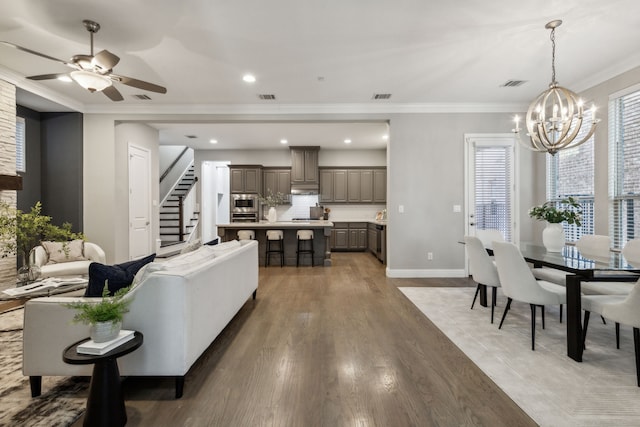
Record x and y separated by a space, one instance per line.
272 216
553 237
104 331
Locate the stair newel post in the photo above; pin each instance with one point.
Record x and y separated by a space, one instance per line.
181 218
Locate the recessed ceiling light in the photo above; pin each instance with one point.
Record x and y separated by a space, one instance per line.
347 141
213 141
283 141
249 78
64 78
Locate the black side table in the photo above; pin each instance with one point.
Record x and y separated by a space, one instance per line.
105 405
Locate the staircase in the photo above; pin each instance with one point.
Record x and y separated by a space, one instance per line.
170 212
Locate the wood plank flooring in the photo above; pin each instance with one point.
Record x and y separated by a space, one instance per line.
337 346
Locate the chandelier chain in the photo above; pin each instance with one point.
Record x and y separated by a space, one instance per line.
553 56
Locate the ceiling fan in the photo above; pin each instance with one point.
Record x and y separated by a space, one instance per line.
93 72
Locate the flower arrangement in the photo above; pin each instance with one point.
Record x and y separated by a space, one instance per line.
572 214
272 200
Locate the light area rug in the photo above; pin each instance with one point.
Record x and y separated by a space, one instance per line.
63 399
550 387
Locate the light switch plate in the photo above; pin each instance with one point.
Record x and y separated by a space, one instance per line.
400 208
457 208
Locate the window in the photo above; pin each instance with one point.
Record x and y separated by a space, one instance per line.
21 161
624 166
570 173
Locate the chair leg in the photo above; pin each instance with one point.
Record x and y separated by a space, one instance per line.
585 324
636 344
618 335
560 313
604 322
506 309
493 301
476 295
542 310
533 325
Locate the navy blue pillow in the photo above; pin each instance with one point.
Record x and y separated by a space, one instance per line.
118 276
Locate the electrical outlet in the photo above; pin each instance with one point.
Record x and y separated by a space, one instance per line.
430 256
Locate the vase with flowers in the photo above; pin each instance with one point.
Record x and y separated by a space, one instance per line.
568 210
272 200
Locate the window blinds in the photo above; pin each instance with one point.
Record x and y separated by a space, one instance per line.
571 173
492 188
21 163
624 167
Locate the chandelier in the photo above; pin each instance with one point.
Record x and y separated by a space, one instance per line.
556 117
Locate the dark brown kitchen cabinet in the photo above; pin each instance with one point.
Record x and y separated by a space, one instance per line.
277 180
340 189
379 186
326 186
246 179
353 185
349 236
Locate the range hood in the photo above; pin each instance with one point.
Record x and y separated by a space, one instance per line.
299 189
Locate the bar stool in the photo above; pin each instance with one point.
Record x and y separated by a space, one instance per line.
276 238
246 235
304 236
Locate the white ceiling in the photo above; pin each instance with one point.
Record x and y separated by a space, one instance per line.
322 56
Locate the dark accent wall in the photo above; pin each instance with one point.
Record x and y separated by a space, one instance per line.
61 154
54 165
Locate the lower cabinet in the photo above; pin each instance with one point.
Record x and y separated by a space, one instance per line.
349 236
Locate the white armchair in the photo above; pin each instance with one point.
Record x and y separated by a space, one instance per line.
92 253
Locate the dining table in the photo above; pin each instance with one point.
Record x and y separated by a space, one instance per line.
580 268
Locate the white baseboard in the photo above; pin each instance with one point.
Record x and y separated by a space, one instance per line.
409 274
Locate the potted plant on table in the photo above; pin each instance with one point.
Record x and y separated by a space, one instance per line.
22 231
553 236
105 316
272 200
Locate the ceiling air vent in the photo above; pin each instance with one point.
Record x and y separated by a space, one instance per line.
513 83
191 136
142 97
381 96
267 96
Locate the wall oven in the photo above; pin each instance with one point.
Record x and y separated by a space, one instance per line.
244 207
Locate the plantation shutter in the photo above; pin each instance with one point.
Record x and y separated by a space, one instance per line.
571 173
624 167
493 183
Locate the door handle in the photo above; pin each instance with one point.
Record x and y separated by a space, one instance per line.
472 224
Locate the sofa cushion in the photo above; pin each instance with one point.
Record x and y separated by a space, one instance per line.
117 276
59 252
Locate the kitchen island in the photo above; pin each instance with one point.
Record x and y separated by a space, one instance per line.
321 238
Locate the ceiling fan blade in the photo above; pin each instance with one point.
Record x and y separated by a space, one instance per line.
33 52
140 84
49 76
113 93
105 60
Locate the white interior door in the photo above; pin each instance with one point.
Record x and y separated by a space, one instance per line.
491 184
139 202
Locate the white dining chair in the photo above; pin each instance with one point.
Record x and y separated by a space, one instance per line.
489 235
620 309
518 283
631 252
594 246
483 269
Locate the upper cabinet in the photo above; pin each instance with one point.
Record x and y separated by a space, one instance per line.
353 185
304 165
276 180
246 179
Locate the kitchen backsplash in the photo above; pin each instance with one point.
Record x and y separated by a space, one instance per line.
300 204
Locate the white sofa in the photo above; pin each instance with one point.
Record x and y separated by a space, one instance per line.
92 252
180 306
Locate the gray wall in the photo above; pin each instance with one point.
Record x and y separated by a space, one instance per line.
31 188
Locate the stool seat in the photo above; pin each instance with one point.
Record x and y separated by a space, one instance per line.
275 245
246 235
305 238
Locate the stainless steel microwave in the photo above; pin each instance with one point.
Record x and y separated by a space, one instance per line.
244 203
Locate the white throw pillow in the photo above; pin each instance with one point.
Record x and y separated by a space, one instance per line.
59 252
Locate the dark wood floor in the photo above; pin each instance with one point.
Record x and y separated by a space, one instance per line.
337 346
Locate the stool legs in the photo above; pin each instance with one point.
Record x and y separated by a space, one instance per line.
279 250
301 251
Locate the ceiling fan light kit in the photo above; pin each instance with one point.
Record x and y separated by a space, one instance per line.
556 117
91 81
92 72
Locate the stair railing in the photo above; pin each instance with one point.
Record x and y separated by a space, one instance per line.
186 204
